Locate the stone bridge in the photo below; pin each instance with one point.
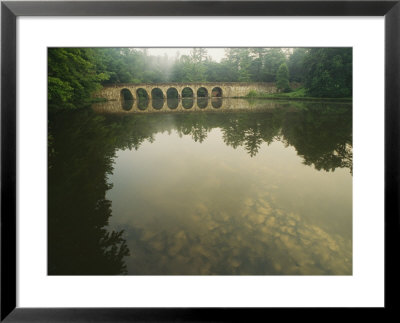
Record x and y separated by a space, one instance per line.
123 92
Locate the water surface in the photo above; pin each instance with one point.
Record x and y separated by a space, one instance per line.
226 192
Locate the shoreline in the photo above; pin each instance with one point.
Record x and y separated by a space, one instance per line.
282 98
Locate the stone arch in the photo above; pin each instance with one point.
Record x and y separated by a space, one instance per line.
157 98
126 94
202 92
141 94
172 98
216 92
157 94
126 99
187 92
143 98
172 93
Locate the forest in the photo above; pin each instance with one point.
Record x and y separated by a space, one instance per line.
75 73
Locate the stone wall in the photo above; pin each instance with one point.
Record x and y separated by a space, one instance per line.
229 90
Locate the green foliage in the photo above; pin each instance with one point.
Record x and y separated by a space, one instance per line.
296 64
142 94
81 152
273 58
239 65
254 64
188 69
75 73
128 65
328 72
300 94
72 76
59 91
282 78
252 94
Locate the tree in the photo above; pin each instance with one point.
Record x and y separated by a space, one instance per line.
190 68
282 78
198 55
273 58
257 63
296 64
72 76
328 72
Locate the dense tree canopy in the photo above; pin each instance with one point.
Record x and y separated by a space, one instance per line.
72 75
328 72
296 64
75 73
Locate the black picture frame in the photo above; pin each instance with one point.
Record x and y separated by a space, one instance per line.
10 10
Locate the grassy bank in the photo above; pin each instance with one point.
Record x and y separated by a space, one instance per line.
299 95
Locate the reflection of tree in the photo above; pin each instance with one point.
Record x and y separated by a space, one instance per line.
197 125
251 130
233 133
81 152
322 135
253 141
80 157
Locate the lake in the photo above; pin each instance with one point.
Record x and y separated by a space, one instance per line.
244 187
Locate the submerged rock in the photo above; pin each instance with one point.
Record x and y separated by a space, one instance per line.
249 202
264 210
257 218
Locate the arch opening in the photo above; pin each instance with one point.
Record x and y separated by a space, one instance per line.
202 92
172 103
188 102
142 94
202 102
143 99
157 94
157 98
216 102
157 103
187 98
126 99
172 93
172 98
216 92
187 92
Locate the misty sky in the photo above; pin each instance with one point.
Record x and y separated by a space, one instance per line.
216 53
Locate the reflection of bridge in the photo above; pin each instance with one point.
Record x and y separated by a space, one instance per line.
121 92
183 105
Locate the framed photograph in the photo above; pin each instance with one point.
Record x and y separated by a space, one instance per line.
197 160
